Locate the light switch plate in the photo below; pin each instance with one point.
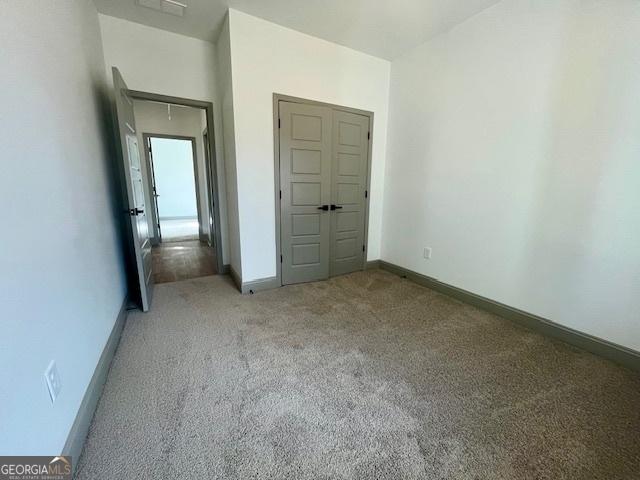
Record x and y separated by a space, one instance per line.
427 253
52 378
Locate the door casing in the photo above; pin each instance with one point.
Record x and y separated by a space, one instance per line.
214 201
277 97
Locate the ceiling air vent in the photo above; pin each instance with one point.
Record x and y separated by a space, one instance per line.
171 7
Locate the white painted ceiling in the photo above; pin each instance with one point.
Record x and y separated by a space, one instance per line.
384 28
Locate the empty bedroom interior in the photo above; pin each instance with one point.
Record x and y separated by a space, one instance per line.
398 240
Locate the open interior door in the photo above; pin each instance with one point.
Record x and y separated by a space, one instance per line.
132 172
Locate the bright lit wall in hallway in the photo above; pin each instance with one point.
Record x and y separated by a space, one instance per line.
173 172
62 282
514 153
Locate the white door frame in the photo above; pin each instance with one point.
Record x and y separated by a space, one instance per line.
196 177
277 97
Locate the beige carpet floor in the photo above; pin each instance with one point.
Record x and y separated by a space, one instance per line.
365 376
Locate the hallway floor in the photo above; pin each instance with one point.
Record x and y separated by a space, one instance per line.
173 261
364 376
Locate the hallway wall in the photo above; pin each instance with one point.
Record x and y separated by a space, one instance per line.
62 283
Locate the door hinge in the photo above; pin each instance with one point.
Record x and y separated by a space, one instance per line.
368 135
280 194
279 123
363 248
280 258
366 193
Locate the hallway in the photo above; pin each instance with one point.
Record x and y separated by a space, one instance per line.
173 261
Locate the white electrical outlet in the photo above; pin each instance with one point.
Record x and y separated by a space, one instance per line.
52 377
427 253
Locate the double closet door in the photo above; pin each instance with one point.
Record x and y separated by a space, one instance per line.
323 197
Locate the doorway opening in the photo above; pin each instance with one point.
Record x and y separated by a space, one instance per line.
179 187
173 171
181 244
175 216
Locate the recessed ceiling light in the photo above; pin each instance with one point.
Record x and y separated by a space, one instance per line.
171 7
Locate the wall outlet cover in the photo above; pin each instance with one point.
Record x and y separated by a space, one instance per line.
52 378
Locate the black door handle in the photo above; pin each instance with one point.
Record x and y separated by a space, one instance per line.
134 212
335 207
324 207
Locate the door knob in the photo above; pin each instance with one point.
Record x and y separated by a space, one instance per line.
335 207
324 207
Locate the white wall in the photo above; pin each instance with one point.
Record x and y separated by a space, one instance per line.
225 100
514 152
174 176
157 61
153 117
267 59
63 277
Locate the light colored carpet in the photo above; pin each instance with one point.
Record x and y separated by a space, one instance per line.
365 376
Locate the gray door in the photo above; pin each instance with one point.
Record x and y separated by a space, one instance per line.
305 180
130 157
348 191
